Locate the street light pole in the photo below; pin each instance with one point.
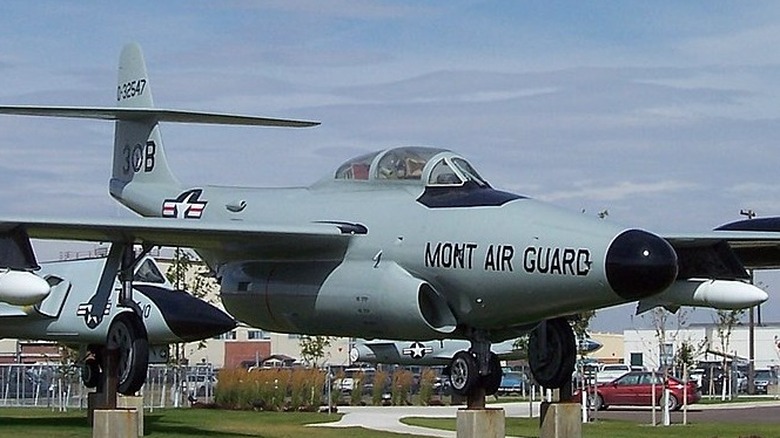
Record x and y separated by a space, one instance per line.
750 214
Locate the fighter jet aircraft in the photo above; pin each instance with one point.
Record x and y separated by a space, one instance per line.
422 353
437 352
409 243
75 312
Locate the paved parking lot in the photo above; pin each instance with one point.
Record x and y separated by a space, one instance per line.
744 412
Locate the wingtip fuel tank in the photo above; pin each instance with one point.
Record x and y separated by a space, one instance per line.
716 294
22 288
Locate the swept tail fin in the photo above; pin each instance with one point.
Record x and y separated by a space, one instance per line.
141 176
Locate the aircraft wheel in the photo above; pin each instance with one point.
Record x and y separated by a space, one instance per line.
492 381
90 372
464 373
552 362
128 335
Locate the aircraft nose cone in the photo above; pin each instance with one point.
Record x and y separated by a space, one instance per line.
640 264
189 318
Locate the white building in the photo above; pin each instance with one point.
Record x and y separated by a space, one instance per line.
642 347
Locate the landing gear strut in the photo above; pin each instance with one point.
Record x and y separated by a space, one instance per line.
126 332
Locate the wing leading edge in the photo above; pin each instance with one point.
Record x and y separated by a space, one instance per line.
325 241
726 253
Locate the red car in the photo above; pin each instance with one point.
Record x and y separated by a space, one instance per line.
636 389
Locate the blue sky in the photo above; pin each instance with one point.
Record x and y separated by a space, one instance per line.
664 113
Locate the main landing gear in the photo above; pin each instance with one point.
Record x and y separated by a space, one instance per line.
126 334
476 373
552 351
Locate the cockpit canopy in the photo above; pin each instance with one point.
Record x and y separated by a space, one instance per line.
436 167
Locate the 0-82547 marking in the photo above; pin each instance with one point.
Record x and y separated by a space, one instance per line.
130 89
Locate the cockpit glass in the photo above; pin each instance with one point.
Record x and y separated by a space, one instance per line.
148 272
468 171
443 175
356 168
404 163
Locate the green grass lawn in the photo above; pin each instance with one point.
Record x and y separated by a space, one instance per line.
526 427
170 423
43 423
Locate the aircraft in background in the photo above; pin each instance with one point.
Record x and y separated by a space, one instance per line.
423 353
409 243
437 352
77 313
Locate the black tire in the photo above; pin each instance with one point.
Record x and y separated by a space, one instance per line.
464 373
492 381
552 362
128 335
90 372
596 402
673 403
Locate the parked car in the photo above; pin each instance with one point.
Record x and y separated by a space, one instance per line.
199 385
352 376
611 371
512 383
764 378
636 389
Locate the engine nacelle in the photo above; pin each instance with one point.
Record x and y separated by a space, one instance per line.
350 298
22 288
395 298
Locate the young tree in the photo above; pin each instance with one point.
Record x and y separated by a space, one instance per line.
313 348
725 320
187 273
580 323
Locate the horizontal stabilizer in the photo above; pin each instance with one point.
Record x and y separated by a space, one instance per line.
157 114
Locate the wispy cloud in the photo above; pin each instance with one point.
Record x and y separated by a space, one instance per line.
618 191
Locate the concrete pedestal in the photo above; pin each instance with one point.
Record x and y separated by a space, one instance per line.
481 423
561 420
137 403
115 423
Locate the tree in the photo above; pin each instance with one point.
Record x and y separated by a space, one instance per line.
580 323
724 324
313 348
521 344
189 274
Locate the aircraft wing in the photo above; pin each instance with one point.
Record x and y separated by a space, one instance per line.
159 114
725 253
322 240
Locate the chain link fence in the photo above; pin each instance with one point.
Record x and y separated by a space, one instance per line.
60 387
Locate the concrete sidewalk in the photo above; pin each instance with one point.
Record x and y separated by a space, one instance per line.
388 418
